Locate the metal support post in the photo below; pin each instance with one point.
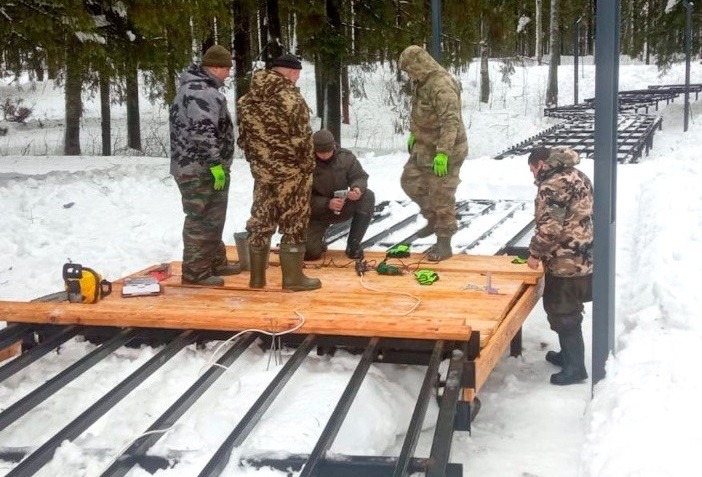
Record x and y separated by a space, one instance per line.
606 109
576 55
436 30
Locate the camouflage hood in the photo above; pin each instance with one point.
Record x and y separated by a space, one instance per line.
417 63
559 158
562 157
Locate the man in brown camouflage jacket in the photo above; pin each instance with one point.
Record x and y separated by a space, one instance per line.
562 242
437 145
275 134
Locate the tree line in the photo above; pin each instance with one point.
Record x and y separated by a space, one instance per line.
114 48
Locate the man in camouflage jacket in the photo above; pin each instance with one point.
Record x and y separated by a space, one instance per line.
202 148
437 145
562 242
275 134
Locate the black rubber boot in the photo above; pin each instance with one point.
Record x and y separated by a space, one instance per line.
359 225
441 250
291 260
555 358
573 355
258 261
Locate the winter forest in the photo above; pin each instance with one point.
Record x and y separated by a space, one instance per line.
85 88
112 49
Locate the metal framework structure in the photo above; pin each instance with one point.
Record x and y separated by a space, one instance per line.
455 413
635 126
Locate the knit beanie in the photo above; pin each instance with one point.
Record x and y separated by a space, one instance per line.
287 60
217 55
323 141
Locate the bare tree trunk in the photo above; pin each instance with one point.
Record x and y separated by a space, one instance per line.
484 65
170 86
271 32
319 85
331 72
105 118
538 31
484 72
133 122
242 47
555 50
345 95
74 104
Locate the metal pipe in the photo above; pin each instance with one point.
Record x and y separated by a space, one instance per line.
576 54
606 109
688 54
436 30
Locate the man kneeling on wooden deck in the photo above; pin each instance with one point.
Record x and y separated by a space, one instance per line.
339 193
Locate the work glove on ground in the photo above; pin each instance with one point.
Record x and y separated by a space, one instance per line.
401 250
410 142
441 164
220 179
426 277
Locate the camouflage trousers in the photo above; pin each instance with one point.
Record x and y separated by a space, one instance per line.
563 300
205 212
283 206
436 196
319 224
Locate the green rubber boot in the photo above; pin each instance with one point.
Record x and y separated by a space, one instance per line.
291 260
258 262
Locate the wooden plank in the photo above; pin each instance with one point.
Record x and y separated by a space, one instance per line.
496 346
11 351
372 305
217 318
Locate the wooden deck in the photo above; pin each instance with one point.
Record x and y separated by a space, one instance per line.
376 305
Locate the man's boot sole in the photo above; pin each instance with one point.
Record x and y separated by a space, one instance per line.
560 379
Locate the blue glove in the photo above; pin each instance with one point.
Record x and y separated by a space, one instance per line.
410 142
220 179
441 164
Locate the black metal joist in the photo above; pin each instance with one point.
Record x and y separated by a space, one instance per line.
46 390
454 413
37 459
55 340
137 450
221 458
13 333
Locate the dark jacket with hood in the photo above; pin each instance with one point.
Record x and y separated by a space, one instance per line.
341 171
201 129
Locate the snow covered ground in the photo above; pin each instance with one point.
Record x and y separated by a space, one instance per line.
122 213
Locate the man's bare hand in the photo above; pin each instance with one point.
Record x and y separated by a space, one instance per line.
336 204
354 194
533 263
